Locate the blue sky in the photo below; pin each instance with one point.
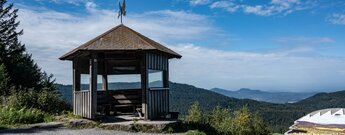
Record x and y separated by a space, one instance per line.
272 45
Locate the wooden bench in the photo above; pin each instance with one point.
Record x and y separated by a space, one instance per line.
123 101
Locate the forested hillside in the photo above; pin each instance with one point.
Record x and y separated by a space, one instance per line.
273 97
277 116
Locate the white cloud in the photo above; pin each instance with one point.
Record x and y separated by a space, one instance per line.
73 2
336 19
49 34
91 6
273 7
302 40
198 2
275 71
227 5
166 25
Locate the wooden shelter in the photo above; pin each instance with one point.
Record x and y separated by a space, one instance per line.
119 51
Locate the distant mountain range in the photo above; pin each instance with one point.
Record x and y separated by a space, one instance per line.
273 97
277 116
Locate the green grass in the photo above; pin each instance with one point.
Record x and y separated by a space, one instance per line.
3 127
15 116
195 132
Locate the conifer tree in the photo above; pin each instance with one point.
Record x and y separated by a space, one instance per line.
4 80
21 69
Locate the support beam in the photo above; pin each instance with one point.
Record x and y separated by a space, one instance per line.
144 84
76 81
93 86
166 85
105 75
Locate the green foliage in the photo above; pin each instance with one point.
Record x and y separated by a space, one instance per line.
194 132
72 115
4 80
194 116
12 116
242 122
220 119
45 100
259 125
3 127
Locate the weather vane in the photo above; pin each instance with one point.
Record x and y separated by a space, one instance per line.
122 9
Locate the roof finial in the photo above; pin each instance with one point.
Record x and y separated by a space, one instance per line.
122 9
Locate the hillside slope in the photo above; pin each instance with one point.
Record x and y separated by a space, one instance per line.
322 101
273 97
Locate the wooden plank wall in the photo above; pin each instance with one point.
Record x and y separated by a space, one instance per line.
158 102
158 98
157 61
82 103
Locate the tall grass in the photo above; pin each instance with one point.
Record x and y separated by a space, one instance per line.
15 116
28 106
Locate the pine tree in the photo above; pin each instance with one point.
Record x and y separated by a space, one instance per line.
21 69
4 80
259 125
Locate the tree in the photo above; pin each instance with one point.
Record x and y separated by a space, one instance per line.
220 119
242 122
259 126
21 69
4 80
194 116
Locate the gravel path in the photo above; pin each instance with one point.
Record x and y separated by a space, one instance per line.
66 131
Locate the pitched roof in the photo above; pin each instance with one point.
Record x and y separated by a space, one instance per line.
121 38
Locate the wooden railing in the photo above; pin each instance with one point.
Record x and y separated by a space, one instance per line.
82 104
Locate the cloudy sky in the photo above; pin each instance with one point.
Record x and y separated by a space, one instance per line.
272 45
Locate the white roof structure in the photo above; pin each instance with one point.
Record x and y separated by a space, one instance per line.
331 116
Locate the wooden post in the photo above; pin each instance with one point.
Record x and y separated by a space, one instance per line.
76 81
105 76
166 84
144 84
93 86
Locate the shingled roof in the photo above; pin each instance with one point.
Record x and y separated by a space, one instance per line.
121 38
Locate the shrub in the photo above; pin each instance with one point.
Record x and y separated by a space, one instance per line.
194 117
223 122
45 100
12 116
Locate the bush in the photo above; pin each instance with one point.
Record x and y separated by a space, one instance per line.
223 122
12 116
45 100
194 118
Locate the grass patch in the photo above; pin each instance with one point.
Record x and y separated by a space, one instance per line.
195 132
15 116
3 127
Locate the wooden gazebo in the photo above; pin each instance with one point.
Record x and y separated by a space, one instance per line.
119 51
